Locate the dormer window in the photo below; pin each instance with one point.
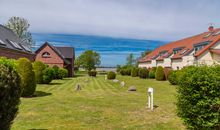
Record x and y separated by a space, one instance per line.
200 46
46 55
177 50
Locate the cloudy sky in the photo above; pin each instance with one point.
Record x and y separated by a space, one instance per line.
141 19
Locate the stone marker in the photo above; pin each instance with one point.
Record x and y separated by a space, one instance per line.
78 87
122 84
132 88
115 80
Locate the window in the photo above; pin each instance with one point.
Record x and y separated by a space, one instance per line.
15 45
217 33
46 55
1 42
26 48
207 35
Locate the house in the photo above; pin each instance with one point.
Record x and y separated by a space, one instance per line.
200 49
51 55
13 47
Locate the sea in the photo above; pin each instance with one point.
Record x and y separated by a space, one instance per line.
113 51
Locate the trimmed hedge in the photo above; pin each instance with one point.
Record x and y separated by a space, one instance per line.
10 92
27 75
56 72
134 72
62 73
173 77
48 75
152 72
111 75
143 73
92 73
159 75
39 67
198 99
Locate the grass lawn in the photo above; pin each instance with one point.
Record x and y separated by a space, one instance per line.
100 105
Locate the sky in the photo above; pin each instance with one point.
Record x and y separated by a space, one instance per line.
166 20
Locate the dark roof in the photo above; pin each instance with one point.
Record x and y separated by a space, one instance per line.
67 52
62 52
7 35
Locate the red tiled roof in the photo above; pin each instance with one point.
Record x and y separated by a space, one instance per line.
186 44
216 51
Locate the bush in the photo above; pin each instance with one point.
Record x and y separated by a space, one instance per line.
143 73
92 73
134 72
27 75
198 102
62 73
38 70
48 75
122 72
10 91
56 72
152 73
173 77
159 75
111 75
118 68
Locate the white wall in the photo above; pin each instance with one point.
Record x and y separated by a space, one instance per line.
144 65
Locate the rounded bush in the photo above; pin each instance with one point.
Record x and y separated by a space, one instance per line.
198 101
48 75
38 67
152 73
62 73
159 75
25 70
111 75
173 77
10 92
143 73
134 72
122 72
92 73
56 72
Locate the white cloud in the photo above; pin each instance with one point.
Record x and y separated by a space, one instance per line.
145 19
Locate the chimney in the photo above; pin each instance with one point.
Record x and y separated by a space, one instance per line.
211 28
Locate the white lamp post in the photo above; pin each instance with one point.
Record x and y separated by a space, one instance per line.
150 98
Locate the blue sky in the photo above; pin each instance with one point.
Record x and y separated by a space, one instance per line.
141 19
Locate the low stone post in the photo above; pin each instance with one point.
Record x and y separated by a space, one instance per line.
150 98
105 77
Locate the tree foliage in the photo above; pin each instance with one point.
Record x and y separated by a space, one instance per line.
130 60
20 27
38 67
89 60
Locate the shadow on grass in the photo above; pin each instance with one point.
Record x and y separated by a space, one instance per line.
55 83
79 75
41 94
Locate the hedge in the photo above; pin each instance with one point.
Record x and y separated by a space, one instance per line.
152 72
62 73
39 67
143 73
198 98
134 72
159 75
56 72
27 75
92 73
48 75
111 75
10 91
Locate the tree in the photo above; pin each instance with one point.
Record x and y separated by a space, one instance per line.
130 60
20 27
89 60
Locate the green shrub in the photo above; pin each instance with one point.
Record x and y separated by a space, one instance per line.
128 71
27 75
111 75
62 73
122 72
56 72
159 75
48 75
38 67
143 73
92 73
8 62
152 73
118 68
10 91
174 76
198 99
134 72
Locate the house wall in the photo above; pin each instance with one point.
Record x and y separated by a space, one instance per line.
54 59
177 63
144 65
153 63
14 54
216 46
167 62
205 58
160 63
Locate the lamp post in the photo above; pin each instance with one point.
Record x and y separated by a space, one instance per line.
150 98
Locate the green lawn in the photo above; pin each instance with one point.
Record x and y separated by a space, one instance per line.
100 105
